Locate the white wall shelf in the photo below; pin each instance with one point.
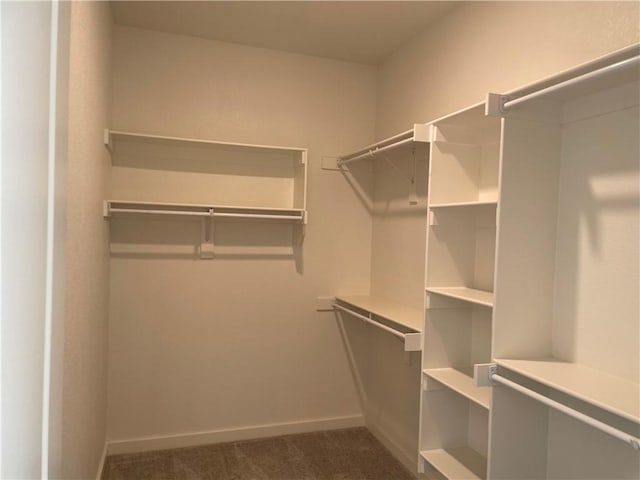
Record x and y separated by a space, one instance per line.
116 207
461 381
191 173
613 394
401 321
457 463
420 133
470 204
471 295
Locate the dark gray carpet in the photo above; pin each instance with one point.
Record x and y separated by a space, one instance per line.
349 454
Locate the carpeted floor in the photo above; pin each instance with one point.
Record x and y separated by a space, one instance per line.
350 454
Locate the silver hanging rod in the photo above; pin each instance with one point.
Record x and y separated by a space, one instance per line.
370 321
624 64
632 441
374 151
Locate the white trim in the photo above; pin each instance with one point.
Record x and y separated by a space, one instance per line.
103 459
143 444
406 458
51 180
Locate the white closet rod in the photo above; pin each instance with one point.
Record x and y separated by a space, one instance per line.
614 432
205 214
579 79
372 322
374 151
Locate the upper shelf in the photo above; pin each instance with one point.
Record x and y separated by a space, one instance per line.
471 295
112 137
419 133
613 394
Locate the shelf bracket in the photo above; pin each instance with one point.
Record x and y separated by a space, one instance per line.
482 373
206 243
494 105
108 142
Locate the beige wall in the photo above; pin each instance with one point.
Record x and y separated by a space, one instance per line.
476 48
494 46
87 266
207 345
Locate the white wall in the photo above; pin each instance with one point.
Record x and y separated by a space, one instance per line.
476 48
208 345
87 267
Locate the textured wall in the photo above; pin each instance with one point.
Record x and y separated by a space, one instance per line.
494 46
87 268
206 345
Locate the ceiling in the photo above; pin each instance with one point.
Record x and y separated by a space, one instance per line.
357 31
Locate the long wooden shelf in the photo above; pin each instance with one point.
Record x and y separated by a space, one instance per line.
471 295
123 207
470 204
387 309
457 463
460 380
613 394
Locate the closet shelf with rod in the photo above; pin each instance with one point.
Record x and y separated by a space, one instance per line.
418 134
115 207
398 320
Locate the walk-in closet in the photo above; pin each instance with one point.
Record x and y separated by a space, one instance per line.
320 239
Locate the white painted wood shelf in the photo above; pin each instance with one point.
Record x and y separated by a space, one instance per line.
460 463
120 207
613 394
471 204
471 295
394 318
392 311
460 380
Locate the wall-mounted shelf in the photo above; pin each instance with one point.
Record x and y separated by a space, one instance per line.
418 134
471 295
460 380
403 322
192 174
613 394
457 463
471 204
116 207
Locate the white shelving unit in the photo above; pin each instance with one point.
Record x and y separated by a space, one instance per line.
185 175
463 200
160 177
566 317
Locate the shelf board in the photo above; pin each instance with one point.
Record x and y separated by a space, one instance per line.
115 136
389 310
460 380
471 295
457 463
613 394
126 207
476 203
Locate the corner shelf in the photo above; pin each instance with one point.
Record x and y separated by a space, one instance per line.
470 295
404 322
460 380
457 463
613 394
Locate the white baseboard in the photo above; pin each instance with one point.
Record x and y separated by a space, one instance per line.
102 460
408 459
145 444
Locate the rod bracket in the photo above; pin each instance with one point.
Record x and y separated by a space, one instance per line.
494 105
483 373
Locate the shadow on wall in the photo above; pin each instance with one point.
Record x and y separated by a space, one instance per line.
182 238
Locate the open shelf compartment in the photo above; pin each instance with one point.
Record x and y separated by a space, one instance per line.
459 380
457 463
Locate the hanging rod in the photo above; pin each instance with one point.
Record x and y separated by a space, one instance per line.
632 441
370 321
374 151
624 64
